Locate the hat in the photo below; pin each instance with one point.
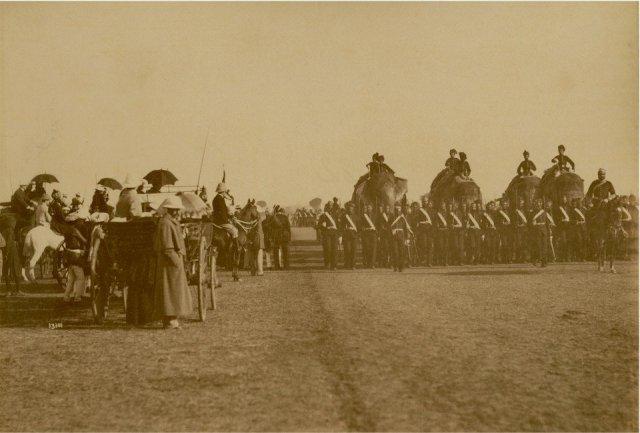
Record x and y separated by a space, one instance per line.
453 151
602 170
172 202
222 187
129 182
561 147
526 152
100 188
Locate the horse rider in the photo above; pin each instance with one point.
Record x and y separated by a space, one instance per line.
129 204
369 237
562 161
221 215
349 225
463 168
526 167
601 188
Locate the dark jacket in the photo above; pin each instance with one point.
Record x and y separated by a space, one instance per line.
220 210
526 168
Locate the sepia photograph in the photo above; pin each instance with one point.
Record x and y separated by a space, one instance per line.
319 216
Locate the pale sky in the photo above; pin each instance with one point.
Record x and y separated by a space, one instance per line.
298 96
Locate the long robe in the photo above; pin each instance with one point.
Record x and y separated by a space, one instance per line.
173 297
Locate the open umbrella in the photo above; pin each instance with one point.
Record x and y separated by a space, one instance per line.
261 203
193 205
110 183
315 203
45 178
160 178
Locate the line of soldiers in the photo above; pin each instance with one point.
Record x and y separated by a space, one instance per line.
451 234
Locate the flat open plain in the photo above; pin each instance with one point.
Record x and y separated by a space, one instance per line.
502 348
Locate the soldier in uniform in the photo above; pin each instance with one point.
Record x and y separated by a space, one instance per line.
562 161
601 188
349 224
490 234
505 231
521 232
561 231
384 242
541 225
281 237
329 227
471 232
423 227
399 230
526 167
456 234
578 230
369 236
625 224
442 233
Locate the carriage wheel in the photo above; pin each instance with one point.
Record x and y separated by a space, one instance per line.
211 265
99 302
60 267
202 281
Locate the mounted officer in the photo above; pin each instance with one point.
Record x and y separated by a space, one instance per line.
601 188
221 216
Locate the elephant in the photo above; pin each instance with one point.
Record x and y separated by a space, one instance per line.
453 187
381 189
567 184
523 187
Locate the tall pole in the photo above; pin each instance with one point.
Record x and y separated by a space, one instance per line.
202 160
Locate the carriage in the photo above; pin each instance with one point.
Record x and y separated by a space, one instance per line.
122 260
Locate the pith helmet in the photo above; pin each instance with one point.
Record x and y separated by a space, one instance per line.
222 187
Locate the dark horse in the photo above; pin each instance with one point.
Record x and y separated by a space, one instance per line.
607 232
246 222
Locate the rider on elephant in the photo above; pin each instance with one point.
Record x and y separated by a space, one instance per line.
376 165
526 167
463 168
452 166
561 164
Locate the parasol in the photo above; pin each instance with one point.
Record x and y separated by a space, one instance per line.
160 178
110 183
45 178
191 202
261 203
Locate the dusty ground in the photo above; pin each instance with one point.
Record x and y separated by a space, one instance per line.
501 348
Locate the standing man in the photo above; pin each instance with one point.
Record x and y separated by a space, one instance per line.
505 232
541 226
472 232
578 230
423 223
456 234
384 241
173 297
490 232
442 235
369 237
11 263
282 237
329 227
563 222
399 229
521 232
349 228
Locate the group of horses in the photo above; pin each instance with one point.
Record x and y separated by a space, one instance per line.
385 189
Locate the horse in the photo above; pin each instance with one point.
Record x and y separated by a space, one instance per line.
36 242
607 231
246 222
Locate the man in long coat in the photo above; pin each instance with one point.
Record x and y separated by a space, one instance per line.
173 297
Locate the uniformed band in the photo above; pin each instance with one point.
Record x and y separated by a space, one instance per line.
424 234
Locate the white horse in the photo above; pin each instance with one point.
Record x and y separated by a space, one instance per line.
38 239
